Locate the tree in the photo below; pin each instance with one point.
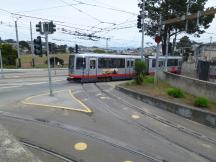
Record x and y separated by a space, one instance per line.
171 9
10 41
184 42
24 45
185 45
140 69
99 51
9 54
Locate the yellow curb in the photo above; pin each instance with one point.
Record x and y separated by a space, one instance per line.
86 109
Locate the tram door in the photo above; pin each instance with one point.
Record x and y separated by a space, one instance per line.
92 74
130 67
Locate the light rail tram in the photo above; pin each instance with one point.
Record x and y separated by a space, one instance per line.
91 67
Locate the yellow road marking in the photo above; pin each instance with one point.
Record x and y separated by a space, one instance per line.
135 116
206 145
80 102
104 98
85 110
128 161
80 146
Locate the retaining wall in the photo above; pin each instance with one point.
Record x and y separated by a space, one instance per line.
195 114
193 86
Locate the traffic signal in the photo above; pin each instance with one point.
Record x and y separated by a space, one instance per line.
52 27
139 24
38 46
76 48
51 47
39 27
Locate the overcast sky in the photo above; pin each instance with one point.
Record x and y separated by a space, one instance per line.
84 18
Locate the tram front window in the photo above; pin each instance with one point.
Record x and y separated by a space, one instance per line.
71 62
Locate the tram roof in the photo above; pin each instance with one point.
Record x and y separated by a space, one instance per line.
105 55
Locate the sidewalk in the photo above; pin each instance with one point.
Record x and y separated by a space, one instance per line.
13 151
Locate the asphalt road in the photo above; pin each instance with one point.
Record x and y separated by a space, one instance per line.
120 129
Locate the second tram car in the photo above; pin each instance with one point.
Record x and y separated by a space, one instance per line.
90 67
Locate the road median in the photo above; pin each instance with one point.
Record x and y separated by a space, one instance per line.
63 99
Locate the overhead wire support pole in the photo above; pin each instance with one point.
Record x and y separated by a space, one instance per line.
18 48
143 29
188 8
157 54
1 61
167 50
32 46
189 17
210 48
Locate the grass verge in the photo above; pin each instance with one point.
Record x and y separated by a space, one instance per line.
160 91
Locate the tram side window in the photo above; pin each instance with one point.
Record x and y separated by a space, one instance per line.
104 63
153 63
92 64
172 62
160 63
111 63
118 63
128 64
132 63
80 63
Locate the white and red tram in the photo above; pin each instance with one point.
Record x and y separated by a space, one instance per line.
90 67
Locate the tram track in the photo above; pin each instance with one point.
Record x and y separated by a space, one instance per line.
46 151
159 118
162 120
87 133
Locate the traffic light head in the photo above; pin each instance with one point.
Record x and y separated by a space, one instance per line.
39 27
52 27
76 48
139 24
38 46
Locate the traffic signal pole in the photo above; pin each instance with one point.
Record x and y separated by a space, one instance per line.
32 46
48 62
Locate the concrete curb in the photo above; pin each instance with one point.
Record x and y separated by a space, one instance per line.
35 76
189 112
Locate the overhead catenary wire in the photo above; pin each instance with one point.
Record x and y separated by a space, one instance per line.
85 13
109 8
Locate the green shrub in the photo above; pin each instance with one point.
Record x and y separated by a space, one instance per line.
140 78
140 68
149 79
201 102
175 92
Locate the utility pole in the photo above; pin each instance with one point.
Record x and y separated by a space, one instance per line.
189 17
158 52
107 41
1 60
188 7
167 50
48 61
32 46
143 28
210 48
18 49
